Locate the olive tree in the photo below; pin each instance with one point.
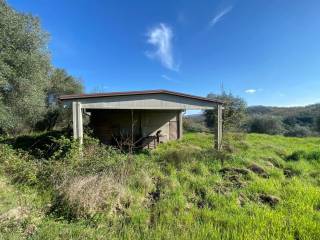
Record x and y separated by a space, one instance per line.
60 82
233 114
29 84
24 68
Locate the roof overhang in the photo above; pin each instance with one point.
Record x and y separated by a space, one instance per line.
150 99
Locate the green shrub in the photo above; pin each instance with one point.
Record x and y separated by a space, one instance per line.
39 145
192 125
89 181
18 165
314 155
301 154
296 155
298 131
266 124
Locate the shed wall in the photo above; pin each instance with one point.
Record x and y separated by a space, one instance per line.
110 124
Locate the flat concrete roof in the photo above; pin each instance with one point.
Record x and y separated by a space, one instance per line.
132 93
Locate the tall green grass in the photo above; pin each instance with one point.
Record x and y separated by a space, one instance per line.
182 190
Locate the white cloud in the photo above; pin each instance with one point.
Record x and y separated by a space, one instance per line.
161 38
217 18
251 91
165 77
169 78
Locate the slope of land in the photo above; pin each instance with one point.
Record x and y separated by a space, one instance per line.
260 187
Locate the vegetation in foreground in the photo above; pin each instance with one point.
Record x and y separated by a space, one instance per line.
261 187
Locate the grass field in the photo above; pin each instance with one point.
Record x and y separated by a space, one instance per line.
260 187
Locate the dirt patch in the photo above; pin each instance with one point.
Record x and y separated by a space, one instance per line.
269 199
234 178
289 172
155 195
201 193
258 170
231 170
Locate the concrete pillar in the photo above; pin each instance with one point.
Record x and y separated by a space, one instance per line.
180 126
77 121
74 120
218 132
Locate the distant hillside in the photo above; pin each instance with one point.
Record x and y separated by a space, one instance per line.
289 121
195 123
310 110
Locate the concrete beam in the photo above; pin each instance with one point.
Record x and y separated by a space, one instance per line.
157 101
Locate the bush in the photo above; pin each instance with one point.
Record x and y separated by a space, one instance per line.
19 166
82 183
298 131
296 155
42 145
194 126
314 155
91 181
266 124
233 114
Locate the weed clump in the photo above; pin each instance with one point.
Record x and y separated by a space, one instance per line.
180 156
301 154
296 155
88 195
19 165
233 178
314 155
290 172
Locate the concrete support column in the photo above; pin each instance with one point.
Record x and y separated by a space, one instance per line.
77 121
180 126
218 132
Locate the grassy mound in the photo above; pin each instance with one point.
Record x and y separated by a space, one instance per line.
260 187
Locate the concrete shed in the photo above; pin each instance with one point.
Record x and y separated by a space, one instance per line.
140 118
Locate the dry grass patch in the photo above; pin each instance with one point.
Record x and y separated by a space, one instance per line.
85 196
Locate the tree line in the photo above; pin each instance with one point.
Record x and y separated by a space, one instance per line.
29 83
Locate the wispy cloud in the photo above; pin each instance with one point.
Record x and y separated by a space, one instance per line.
161 38
166 77
218 17
251 91
169 78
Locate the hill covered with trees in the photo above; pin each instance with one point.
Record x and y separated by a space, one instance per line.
289 121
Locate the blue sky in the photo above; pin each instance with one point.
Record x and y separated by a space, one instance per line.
266 51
